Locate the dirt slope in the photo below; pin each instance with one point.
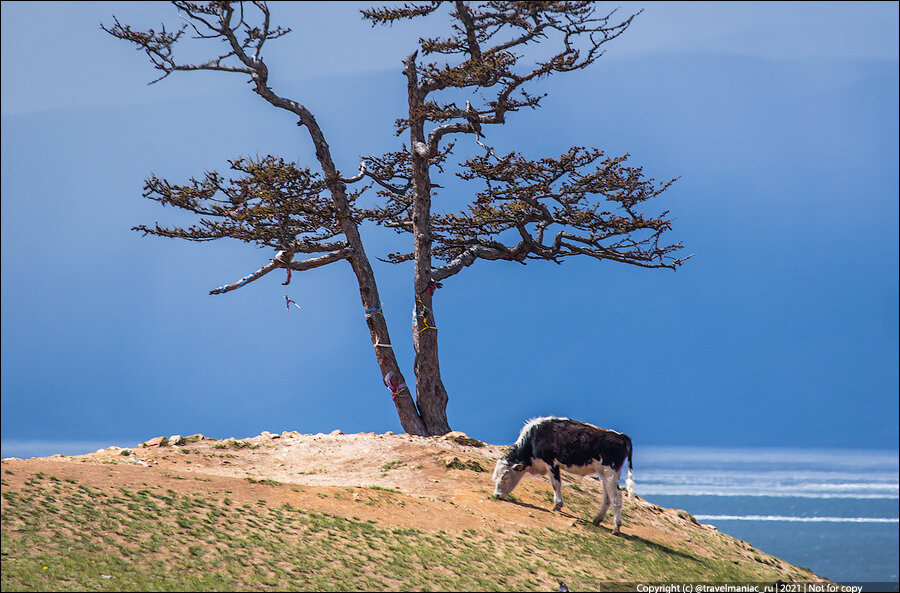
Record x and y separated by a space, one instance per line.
399 481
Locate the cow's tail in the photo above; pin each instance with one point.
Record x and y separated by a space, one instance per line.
629 479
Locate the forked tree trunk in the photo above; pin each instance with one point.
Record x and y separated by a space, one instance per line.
409 416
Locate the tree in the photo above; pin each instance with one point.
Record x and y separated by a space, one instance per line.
570 197
545 209
276 205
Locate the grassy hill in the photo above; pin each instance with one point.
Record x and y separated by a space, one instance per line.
336 513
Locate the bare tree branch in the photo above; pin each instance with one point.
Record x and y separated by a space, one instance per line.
281 261
358 176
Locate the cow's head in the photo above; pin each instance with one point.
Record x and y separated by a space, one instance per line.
507 476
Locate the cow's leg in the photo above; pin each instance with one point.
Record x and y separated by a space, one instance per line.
604 505
611 486
557 487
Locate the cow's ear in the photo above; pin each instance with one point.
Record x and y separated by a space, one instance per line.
519 467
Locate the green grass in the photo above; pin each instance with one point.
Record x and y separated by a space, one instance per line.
234 444
266 481
61 535
392 465
384 489
471 464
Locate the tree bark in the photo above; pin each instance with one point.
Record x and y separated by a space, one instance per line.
431 397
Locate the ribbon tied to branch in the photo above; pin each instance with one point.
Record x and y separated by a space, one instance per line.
432 286
424 317
394 383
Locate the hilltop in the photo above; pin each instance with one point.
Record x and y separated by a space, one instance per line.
337 512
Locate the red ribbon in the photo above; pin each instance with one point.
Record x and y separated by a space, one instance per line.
390 383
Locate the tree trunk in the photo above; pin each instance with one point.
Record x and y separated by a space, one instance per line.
410 419
371 302
431 396
381 339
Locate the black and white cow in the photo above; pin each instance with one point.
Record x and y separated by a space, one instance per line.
551 444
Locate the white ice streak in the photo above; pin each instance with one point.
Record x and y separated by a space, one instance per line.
778 484
684 491
769 472
797 519
859 460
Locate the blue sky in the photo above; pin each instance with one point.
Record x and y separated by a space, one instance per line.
782 330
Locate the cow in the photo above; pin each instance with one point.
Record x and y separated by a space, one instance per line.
550 444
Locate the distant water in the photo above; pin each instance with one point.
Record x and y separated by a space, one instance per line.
833 512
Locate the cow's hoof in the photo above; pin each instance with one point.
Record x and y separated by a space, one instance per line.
596 522
558 507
